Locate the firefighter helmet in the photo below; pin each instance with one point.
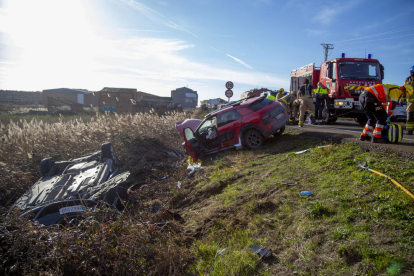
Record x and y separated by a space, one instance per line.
282 90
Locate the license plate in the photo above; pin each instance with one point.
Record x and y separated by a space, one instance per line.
280 115
72 209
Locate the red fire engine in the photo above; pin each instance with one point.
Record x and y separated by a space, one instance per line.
344 79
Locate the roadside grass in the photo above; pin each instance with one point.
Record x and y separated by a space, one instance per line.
355 223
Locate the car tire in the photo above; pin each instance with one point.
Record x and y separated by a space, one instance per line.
108 152
280 131
46 165
253 139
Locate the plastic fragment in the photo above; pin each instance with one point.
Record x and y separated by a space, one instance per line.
165 177
263 252
179 184
221 252
300 152
307 193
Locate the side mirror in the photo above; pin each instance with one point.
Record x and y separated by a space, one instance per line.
382 71
330 65
329 72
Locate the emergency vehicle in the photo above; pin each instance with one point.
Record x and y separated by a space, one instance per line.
344 79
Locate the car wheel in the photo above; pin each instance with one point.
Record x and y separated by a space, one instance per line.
280 131
46 165
253 139
108 152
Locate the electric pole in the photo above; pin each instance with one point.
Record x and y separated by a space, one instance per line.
326 48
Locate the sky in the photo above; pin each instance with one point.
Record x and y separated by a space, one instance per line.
158 46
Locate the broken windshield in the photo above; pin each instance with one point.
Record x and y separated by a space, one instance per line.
359 70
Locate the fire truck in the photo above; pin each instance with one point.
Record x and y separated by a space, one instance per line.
344 79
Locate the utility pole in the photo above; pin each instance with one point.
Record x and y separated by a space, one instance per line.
326 48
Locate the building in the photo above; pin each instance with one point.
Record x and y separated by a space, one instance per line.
253 93
185 96
114 99
213 103
80 96
20 97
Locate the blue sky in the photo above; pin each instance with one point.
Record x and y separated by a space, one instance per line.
158 46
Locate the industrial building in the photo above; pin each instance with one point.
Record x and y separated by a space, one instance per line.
20 97
80 96
185 96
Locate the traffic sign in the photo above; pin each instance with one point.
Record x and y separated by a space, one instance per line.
229 85
229 93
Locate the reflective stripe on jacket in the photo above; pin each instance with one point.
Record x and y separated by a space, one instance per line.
271 97
386 93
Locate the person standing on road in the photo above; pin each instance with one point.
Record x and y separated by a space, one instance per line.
372 100
408 90
280 94
306 102
409 87
320 94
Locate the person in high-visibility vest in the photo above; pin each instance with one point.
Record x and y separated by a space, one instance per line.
280 94
320 95
408 89
272 96
372 100
306 101
286 101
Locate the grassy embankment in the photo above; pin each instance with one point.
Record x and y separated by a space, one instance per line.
355 223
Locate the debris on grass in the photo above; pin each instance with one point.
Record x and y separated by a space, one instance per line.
303 151
306 193
262 252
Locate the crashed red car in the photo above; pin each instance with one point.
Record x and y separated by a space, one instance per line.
243 123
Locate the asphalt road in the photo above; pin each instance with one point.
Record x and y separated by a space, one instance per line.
349 131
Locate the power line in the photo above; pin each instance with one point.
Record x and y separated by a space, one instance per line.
326 48
378 39
386 33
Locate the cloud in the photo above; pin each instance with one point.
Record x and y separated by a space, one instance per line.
135 30
330 12
240 61
155 16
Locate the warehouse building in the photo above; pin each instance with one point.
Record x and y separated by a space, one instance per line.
20 97
80 96
185 96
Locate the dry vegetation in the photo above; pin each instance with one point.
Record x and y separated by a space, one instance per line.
136 242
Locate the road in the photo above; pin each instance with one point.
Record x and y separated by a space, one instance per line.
345 131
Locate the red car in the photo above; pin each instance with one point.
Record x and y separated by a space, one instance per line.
243 123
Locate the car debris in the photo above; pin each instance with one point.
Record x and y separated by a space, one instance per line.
262 252
306 193
193 167
69 188
303 151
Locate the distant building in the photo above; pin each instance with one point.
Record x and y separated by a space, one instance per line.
80 96
20 97
185 96
114 99
213 103
253 93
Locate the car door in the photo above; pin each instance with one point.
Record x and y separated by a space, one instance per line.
229 124
190 142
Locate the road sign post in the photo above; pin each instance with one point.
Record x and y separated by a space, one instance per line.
229 92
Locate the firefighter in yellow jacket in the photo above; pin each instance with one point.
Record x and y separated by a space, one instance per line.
272 95
320 95
372 100
280 94
286 101
409 87
306 101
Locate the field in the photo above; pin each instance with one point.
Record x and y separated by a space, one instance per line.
354 223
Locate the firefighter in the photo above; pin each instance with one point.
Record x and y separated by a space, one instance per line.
408 90
280 94
306 101
320 94
286 101
410 79
272 95
372 100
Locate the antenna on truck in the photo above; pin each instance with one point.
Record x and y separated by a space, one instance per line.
326 48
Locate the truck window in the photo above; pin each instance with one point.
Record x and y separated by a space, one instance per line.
359 70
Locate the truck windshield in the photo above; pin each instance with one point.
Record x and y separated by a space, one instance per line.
359 70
